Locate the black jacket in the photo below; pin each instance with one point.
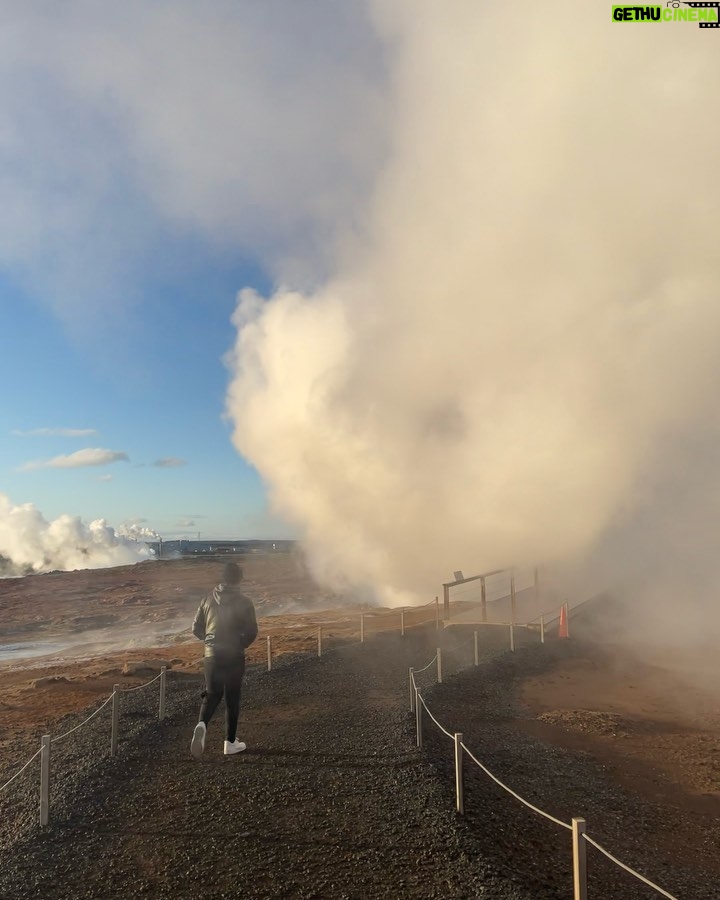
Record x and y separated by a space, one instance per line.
226 622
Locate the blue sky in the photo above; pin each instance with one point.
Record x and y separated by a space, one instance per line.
150 388
154 161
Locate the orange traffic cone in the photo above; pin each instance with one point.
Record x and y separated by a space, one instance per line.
563 630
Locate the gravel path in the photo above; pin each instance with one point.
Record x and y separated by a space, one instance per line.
331 800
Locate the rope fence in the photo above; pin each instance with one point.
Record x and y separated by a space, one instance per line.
579 836
47 741
418 706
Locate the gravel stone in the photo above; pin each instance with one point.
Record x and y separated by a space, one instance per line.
332 799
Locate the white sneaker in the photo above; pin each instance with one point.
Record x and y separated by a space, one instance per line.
198 740
235 747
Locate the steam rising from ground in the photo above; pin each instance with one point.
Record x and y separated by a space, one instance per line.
508 364
29 543
497 369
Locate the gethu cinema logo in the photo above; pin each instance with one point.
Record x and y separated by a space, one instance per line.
705 14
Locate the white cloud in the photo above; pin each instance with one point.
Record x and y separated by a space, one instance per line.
119 123
55 432
169 462
88 457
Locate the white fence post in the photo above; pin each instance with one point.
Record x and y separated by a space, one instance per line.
579 860
402 622
437 614
319 640
418 719
163 675
477 655
439 665
362 629
512 638
459 793
115 720
269 653
412 690
44 779
542 629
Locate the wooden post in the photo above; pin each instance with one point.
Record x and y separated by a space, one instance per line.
536 589
269 653
412 690
446 602
362 629
477 655
115 720
567 620
439 665
319 640
418 719
542 629
513 599
483 599
459 798
44 780
163 674
437 614
512 638
579 860
402 622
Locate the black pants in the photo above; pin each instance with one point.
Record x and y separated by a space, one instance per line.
223 677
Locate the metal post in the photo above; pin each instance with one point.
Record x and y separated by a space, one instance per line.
412 690
477 655
44 779
418 719
319 640
402 622
483 598
439 665
579 860
163 675
459 798
269 653
512 638
437 614
542 629
362 629
115 720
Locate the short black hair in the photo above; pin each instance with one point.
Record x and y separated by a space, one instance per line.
232 573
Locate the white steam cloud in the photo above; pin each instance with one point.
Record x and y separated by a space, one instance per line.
137 532
31 544
518 354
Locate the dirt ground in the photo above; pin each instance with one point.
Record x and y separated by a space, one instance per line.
652 715
66 638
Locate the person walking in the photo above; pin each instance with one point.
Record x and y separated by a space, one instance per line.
226 622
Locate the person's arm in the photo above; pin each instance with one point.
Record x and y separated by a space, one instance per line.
251 626
198 626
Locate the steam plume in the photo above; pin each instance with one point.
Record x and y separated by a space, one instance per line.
29 543
521 349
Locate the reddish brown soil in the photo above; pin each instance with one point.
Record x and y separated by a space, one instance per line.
651 715
104 619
